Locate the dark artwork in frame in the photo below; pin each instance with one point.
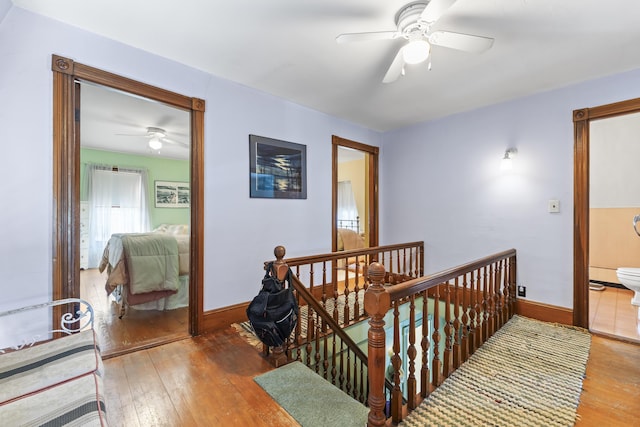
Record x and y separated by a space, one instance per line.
278 168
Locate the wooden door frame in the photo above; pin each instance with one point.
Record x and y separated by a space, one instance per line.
372 177
66 179
581 122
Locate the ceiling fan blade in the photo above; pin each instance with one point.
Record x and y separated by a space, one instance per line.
139 135
361 37
435 9
395 69
464 42
171 141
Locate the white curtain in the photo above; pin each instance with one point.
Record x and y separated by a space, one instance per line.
347 209
118 203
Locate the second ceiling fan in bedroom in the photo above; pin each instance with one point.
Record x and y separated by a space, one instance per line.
414 23
157 137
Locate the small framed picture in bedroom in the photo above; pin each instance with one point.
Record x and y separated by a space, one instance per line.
171 194
278 169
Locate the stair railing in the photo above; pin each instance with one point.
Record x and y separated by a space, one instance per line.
477 298
319 340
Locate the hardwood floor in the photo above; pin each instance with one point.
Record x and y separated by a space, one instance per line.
138 329
611 389
208 380
201 381
611 313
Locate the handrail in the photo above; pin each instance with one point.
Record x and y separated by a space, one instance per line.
420 284
333 256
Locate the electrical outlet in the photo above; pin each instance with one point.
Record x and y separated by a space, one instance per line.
522 291
554 206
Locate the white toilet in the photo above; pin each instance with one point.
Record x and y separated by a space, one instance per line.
630 278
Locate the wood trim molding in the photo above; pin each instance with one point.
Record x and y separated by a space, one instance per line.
222 318
66 182
581 223
373 219
544 312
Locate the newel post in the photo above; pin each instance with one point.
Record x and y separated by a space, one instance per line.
376 303
278 356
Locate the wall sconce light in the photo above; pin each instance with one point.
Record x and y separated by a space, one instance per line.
507 160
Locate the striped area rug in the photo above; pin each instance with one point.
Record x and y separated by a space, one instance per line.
528 374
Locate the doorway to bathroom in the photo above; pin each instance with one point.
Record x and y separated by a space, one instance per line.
606 199
614 201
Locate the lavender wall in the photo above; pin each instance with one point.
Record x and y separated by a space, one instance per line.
5 5
240 233
446 176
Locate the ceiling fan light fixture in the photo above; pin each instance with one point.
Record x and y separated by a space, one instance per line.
416 51
156 132
155 143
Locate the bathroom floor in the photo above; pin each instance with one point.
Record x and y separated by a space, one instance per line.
611 312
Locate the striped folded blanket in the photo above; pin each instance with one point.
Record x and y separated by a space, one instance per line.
55 383
75 403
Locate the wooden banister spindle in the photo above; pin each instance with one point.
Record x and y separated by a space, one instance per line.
334 363
473 293
356 292
496 284
448 331
485 303
316 353
512 286
478 307
346 311
465 319
505 291
436 366
498 295
456 323
425 342
376 303
412 352
325 359
396 362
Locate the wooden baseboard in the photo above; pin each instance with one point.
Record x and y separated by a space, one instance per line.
221 318
544 312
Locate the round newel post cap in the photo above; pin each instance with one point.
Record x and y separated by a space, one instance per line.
376 272
279 252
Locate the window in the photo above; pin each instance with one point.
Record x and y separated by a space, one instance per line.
117 204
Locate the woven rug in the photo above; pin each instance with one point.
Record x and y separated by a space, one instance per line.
528 374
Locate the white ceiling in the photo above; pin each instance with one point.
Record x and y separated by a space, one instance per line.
116 121
288 48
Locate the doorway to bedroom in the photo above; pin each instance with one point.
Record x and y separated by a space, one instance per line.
134 180
354 205
128 180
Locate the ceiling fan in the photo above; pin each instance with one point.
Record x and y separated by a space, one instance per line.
157 136
414 22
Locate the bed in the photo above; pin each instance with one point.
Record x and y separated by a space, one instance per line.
149 271
349 239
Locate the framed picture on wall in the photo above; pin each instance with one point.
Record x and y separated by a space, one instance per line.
171 194
278 169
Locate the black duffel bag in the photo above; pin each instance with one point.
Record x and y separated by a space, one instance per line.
273 313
